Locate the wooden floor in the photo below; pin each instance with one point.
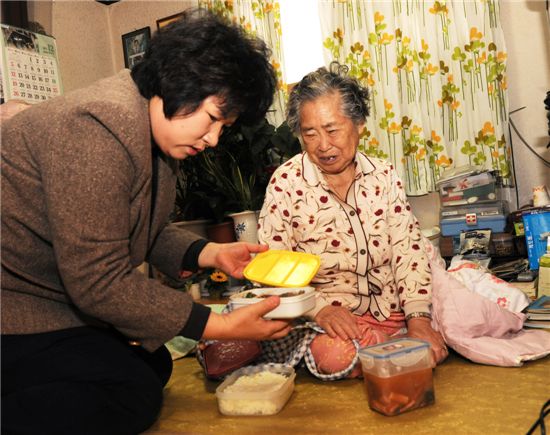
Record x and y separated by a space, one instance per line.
470 399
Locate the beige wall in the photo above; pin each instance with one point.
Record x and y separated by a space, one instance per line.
527 34
90 47
83 42
89 34
128 16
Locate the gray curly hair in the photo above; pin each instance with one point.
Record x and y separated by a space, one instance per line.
323 81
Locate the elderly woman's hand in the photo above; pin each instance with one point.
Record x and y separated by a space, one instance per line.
420 327
337 321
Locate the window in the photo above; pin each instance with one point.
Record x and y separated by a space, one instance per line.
302 42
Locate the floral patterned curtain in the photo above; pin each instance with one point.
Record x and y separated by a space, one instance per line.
263 19
437 74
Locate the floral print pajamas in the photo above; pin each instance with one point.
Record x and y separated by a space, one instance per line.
371 248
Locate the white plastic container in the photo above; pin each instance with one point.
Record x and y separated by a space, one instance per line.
256 390
398 375
294 301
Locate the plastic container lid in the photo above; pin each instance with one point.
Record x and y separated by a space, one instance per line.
459 172
395 357
279 268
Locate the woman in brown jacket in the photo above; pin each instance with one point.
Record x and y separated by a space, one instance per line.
88 183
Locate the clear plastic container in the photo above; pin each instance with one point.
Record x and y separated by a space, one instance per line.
256 390
294 301
398 375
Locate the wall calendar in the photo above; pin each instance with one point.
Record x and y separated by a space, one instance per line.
29 68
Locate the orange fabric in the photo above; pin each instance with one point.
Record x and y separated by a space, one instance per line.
334 354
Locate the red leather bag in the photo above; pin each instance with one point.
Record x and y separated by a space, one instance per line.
223 357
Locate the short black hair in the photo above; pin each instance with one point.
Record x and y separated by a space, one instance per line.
201 55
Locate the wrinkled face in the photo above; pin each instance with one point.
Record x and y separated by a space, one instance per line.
329 138
186 135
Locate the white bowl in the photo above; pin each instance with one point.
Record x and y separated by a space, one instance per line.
290 306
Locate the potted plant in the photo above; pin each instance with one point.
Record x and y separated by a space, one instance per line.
190 210
239 168
217 283
232 177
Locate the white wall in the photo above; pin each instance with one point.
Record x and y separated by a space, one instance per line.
527 34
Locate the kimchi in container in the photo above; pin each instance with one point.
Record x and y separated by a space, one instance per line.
398 375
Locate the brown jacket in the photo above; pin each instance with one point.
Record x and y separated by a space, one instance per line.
77 183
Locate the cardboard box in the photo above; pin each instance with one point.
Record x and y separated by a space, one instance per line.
537 230
516 217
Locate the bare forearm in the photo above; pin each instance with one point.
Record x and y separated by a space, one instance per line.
216 327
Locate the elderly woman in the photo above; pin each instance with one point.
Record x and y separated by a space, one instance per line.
351 210
88 184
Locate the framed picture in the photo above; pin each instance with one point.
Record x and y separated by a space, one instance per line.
134 44
167 20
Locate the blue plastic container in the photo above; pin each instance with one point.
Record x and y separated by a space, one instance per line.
454 220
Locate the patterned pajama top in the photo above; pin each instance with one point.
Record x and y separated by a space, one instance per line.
371 248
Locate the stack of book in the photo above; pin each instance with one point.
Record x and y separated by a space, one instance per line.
527 287
538 313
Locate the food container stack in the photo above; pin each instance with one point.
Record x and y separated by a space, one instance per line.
470 200
398 375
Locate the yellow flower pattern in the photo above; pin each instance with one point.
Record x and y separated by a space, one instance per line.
426 71
263 19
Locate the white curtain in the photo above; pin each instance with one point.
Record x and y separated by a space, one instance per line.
437 75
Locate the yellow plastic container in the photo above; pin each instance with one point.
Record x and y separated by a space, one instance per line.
278 268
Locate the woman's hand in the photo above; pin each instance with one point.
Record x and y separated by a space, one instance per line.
420 327
231 258
247 323
338 322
